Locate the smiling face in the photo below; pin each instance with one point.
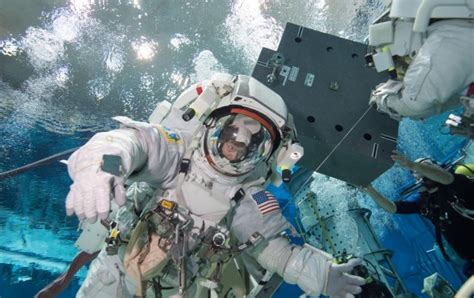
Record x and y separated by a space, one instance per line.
235 144
233 150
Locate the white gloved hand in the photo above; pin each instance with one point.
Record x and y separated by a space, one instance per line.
384 92
91 192
341 284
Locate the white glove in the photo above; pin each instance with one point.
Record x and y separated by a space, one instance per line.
92 189
341 284
384 92
310 268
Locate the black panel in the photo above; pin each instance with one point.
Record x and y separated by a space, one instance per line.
325 83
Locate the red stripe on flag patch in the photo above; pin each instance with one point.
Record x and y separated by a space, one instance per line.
266 202
199 90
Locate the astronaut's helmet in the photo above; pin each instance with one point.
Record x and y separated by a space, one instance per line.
245 129
236 143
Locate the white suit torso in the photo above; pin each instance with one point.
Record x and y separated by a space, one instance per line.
205 196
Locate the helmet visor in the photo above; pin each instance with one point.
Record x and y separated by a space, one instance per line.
236 144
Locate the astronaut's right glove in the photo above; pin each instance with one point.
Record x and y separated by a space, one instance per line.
384 93
94 185
340 283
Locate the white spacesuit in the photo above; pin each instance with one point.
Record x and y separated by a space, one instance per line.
435 38
208 171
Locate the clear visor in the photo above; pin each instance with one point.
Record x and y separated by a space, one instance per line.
236 144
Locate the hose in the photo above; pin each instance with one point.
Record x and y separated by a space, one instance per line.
36 164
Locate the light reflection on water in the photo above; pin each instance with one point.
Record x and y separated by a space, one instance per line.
144 49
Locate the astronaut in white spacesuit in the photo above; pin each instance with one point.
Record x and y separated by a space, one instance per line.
208 159
435 40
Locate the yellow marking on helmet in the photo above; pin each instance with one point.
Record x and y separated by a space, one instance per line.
169 135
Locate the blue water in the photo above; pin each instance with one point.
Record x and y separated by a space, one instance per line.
66 67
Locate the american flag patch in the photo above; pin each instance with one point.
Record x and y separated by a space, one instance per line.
266 202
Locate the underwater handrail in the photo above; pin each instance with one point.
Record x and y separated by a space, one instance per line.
36 164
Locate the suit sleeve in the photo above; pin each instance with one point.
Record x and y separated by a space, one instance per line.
305 266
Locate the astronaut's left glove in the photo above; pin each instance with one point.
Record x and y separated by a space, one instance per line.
310 268
340 283
384 93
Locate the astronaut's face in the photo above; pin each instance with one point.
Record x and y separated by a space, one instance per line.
234 144
233 151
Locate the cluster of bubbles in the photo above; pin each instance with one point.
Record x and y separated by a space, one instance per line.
250 28
45 50
337 197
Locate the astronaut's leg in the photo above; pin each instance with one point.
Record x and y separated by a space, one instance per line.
106 278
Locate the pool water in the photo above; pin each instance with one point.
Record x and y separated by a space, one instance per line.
67 67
